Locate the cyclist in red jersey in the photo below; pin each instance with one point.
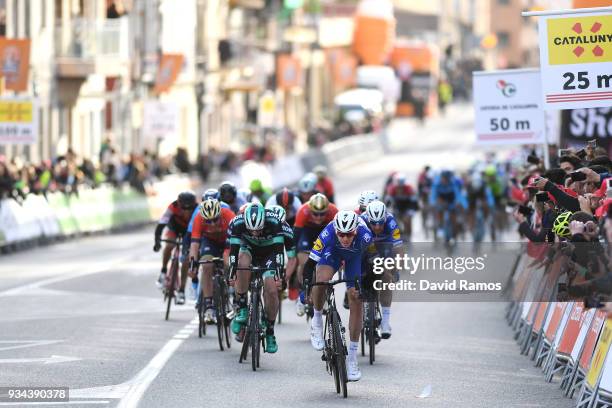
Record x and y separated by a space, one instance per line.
209 240
403 200
324 183
175 219
310 220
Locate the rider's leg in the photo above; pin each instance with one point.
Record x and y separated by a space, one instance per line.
167 253
323 273
243 278
270 300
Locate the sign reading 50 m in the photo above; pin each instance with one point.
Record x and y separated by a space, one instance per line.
576 59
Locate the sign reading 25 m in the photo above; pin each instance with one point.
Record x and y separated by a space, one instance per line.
576 59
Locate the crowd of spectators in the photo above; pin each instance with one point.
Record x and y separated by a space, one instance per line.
569 206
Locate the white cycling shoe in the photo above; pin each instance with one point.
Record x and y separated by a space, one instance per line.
316 337
300 309
353 373
385 330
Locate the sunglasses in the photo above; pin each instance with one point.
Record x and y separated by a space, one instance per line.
377 223
346 234
213 221
319 214
187 208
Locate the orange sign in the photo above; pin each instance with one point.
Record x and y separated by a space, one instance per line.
372 39
591 3
167 72
15 63
288 72
343 66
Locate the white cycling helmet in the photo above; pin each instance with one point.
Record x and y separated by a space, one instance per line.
366 197
377 212
346 221
307 183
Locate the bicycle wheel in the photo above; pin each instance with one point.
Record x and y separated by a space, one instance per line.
173 272
372 331
330 352
224 313
218 310
363 340
254 330
340 352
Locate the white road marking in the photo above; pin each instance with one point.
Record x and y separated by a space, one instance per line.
26 343
45 360
146 376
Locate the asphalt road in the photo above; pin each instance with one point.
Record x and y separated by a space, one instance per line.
85 314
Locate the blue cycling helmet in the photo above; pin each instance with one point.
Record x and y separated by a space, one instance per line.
211 193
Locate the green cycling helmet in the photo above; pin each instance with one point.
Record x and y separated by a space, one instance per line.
561 224
256 185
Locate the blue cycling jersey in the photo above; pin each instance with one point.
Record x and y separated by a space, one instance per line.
391 232
452 189
327 243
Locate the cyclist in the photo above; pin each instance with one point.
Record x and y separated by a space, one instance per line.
258 190
208 240
290 246
478 193
498 188
403 200
175 219
288 201
324 183
257 238
209 193
311 219
446 194
387 240
365 198
228 193
307 187
346 239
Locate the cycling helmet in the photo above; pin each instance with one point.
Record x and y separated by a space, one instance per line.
210 209
346 221
366 197
254 217
227 191
284 198
318 203
187 199
447 174
490 170
279 212
400 179
561 224
320 171
256 185
307 183
377 212
211 193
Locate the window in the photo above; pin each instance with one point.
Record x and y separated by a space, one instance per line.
503 39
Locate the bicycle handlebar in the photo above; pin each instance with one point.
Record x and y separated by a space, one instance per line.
171 241
215 260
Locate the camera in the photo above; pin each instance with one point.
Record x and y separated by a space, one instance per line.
565 152
578 176
542 197
592 143
526 211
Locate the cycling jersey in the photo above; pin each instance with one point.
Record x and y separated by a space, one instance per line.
266 249
483 193
326 186
451 192
175 216
402 197
390 233
291 212
424 183
305 227
289 240
216 232
327 250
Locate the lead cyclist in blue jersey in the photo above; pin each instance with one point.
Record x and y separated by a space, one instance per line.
447 195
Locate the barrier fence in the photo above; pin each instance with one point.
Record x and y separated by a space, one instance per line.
569 342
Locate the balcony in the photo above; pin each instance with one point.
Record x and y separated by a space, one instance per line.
84 47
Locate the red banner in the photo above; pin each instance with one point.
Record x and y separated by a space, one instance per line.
168 71
15 63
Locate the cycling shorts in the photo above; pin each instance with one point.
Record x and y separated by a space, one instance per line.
352 265
307 239
261 257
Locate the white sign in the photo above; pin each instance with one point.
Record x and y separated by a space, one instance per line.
160 119
266 113
18 121
508 109
576 58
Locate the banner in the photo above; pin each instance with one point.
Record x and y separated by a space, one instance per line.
508 108
575 58
581 125
168 71
160 119
603 345
15 63
288 72
18 121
